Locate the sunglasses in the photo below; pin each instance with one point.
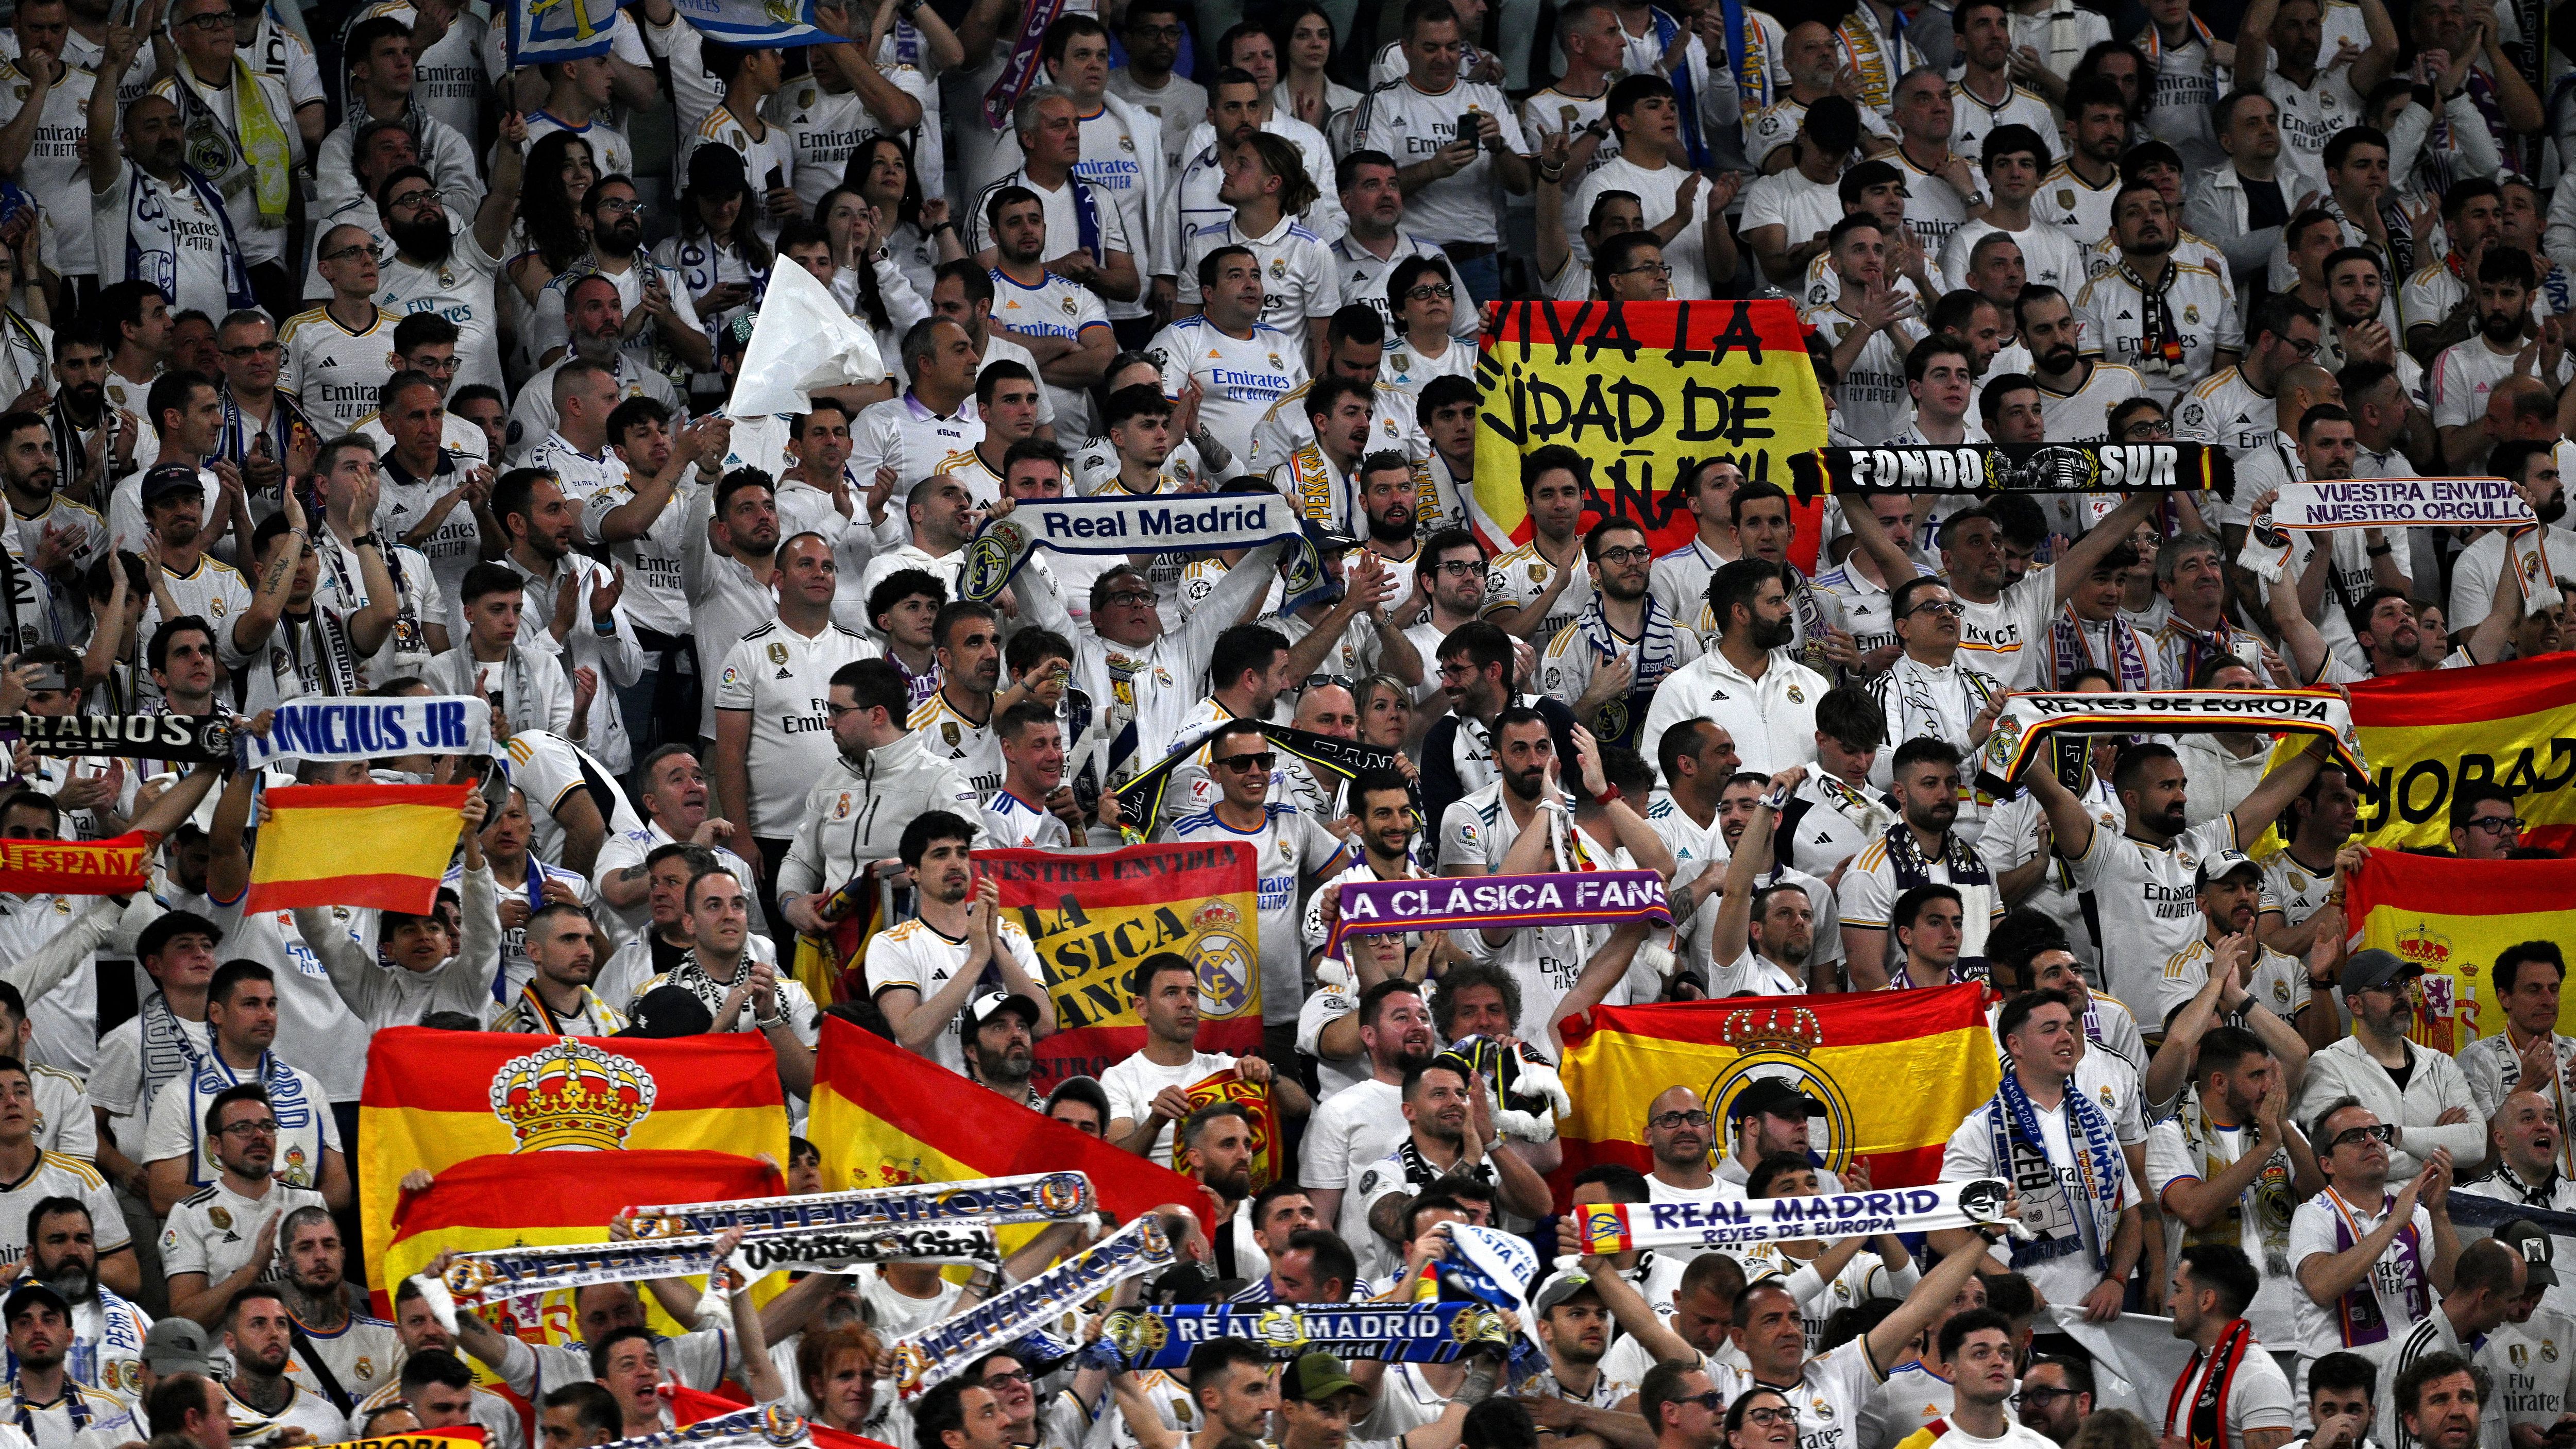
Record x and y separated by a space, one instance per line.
1260 760
2379 1132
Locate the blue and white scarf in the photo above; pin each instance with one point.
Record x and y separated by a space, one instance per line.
2020 1151
1685 87
1657 655
152 252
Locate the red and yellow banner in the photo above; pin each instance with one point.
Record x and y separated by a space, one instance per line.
435 1099
883 1117
385 846
75 867
1897 1072
2453 918
1644 391
505 1201
2426 734
1092 918
1254 1098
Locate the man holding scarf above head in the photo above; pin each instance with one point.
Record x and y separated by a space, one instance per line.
2058 1149
159 219
240 131
1607 664
2231 1395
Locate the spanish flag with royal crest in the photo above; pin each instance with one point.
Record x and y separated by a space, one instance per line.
434 1099
1897 1071
2453 918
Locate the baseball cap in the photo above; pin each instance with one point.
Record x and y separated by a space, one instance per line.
1773 1097
27 1295
669 1011
1334 540
2219 865
2529 1239
179 1345
1316 1377
2375 969
716 172
992 1003
163 480
1559 1287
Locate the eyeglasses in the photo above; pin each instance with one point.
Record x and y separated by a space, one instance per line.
1136 598
1014 1376
269 348
432 365
1428 291
1766 1416
1260 760
1461 567
2304 349
835 711
1951 607
1642 268
1670 1120
267 1127
622 206
344 253
2498 824
411 199
2379 1132
2157 429
2041 1397
207 23
1637 554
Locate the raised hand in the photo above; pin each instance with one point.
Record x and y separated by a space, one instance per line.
605 594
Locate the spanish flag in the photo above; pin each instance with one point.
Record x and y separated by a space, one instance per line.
2453 918
434 1099
883 1117
505 1201
2428 733
1897 1072
385 846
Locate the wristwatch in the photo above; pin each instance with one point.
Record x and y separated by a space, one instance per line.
368 540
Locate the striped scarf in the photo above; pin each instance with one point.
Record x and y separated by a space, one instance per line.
1657 653
2021 1152
2070 651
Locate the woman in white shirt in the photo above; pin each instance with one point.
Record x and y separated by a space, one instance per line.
1423 294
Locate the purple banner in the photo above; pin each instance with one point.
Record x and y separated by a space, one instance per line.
1571 898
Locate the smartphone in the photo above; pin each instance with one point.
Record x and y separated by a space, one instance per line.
777 179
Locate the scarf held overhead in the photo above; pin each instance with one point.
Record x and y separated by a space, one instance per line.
2030 719
328 728
76 867
1187 522
932 1355
1038 1197
2014 468
1162 1338
1141 796
1574 898
176 738
1627 1227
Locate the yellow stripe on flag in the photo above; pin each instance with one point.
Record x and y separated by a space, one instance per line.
355 845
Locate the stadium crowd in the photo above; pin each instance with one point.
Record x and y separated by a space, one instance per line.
443 413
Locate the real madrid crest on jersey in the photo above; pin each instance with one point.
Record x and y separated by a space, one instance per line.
1071 307
1278 268
777 651
2191 313
949 732
2066 199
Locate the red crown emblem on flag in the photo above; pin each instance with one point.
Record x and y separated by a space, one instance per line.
571 1094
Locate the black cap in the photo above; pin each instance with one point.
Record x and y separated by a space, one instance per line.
162 480
669 1011
2375 970
27 1295
1773 1097
716 172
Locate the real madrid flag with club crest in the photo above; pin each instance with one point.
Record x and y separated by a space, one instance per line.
1894 1074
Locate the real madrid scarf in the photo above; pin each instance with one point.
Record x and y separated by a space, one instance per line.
2160 349
1162 1338
1141 796
2014 468
1004 97
1655 654
2364 1313
286 1102
513 1272
931 1355
2020 1148
1038 1197
2029 719
178 738
1967 875
1574 898
765 1426
1182 522
339 728
253 153
2266 1202
1686 85
2070 650
152 242
2207 1418
1626 1227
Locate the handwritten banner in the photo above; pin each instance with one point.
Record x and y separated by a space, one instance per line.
1093 917
1644 391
